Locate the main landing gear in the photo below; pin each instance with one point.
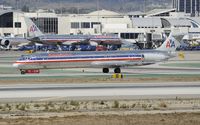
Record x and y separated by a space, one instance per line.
116 70
105 70
117 73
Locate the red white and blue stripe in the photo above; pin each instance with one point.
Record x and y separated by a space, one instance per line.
52 58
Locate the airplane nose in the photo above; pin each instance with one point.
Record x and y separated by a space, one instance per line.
15 65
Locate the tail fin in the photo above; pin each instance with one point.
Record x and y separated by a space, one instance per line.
171 43
33 30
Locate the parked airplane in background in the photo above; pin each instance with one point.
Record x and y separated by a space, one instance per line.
106 59
37 36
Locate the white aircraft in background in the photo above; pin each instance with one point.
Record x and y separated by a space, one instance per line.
37 36
105 59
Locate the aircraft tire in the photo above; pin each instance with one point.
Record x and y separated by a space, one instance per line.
105 70
117 70
22 72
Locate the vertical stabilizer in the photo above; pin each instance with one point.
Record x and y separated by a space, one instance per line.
33 30
171 43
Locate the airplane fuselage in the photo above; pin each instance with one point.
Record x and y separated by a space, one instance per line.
105 59
67 39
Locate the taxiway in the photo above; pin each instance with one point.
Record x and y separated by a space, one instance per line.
99 91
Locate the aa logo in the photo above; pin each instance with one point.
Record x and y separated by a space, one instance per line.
170 44
33 28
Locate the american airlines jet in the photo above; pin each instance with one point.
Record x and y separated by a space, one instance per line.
37 36
105 60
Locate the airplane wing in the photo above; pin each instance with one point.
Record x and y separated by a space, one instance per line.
113 64
10 42
25 44
75 42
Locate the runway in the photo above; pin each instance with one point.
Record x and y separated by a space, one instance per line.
189 66
99 91
93 72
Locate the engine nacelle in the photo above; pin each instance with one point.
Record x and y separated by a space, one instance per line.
4 42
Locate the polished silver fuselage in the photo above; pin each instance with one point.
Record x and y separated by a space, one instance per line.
102 59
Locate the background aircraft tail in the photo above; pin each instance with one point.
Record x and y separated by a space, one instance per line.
33 30
171 43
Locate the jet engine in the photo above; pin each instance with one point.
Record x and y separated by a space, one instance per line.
4 42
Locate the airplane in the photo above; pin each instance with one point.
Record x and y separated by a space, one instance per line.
11 42
37 36
102 59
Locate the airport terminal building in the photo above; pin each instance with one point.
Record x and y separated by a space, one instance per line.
187 6
133 27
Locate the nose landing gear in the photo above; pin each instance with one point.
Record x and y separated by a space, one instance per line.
22 72
30 71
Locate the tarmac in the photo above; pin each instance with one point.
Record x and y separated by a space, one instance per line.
38 92
189 66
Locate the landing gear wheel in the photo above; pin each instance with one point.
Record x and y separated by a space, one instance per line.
117 70
105 70
23 72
